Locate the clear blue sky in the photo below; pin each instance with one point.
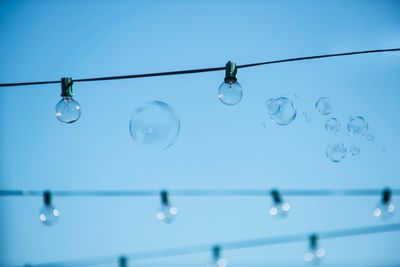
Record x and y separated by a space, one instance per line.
218 146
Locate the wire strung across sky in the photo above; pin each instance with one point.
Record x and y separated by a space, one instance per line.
191 71
201 192
230 245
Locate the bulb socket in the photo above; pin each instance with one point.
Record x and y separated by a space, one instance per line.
66 87
216 252
386 195
276 196
123 261
164 198
230 73
313 239
47 198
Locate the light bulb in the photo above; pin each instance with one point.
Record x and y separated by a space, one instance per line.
230 92
386 208
279 207
154 126
167 212
67 109
48 214
315 253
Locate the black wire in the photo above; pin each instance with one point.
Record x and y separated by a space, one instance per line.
201 193
179 72
231 245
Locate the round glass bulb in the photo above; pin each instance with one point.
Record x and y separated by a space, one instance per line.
68 110
230 93
166 213
279 209
48 214
384 210
281 110
154 126
315 255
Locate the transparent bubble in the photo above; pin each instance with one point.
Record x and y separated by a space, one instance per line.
230 93
332 125
357 126
154 126
354 150
336 152
166 213
370 137
68 110
323 106
48 215
281 110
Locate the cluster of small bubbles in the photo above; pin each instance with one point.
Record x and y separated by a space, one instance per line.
336 152
370 137
332 125
357 126
281 110
323 106
306 116
354 150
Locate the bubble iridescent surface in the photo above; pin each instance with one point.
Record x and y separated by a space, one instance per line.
281 110
323 106
336 152
230 93
357 126
354 150
332 125
154 126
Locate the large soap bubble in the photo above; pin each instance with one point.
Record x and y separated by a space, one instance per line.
154 126
336 152
281 110
357 126
323 106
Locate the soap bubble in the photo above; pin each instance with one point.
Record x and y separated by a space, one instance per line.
357 126
354 150
154 126
323 106
281 110
332 125
336 152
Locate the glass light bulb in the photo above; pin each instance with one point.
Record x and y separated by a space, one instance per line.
48 214
68 110
281 110
154 126
230 93
384 210
221 262
166 213
279 209
315 255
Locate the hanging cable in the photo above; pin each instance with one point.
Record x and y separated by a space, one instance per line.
232 245
180 72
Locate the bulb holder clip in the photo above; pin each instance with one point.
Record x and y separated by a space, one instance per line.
230 73
276 196
47 198
123 261
216 252
66 87
164 198
386 195
313 239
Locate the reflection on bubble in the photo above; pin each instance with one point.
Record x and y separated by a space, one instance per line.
323 106
332 125
370 137
281 110
357 126
154 126
336 152
354 150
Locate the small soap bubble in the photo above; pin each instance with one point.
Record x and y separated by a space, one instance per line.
357 126
354 150
305 115
370 137
323 106
281 110
332 125
336 152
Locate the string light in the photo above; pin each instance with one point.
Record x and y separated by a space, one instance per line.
315 253
230 92
67 109
48 213
217 260
386 207
279 207
167 212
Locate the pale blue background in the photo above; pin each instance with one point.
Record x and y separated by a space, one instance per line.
218 147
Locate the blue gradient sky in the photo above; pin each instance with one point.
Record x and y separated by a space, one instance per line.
218 146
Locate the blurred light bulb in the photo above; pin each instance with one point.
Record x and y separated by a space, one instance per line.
230 92
386 208
279 207
217 260
315 253
67 109
48 214
166 212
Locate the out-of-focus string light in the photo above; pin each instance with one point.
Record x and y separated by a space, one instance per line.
217 260
315 253
386 207
167 212
279 207
67 109
48 214
230 92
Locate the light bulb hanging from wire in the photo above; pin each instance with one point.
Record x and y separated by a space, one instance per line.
48 213
230 91
279 207
167 212
386 207
315 253
67 109
217 260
